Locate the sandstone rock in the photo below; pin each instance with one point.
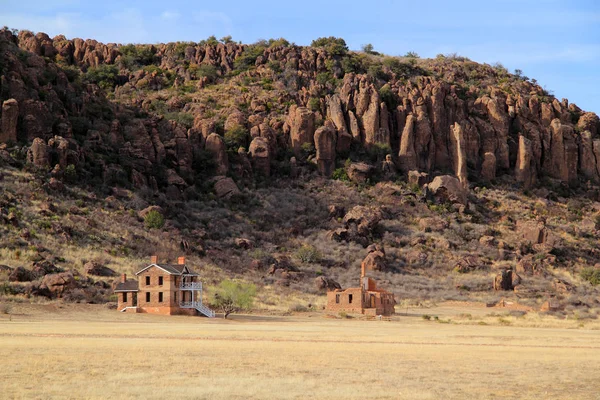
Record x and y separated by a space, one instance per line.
95 268
535 233
359 172
374 261
336 211
59 284
235 119
142 214
524 169
261 156
447 188
364 218
43 268
407 158
225 187
488 241
244 243
488 167
8 122
324 283
388 168
589 165
173 178
459 154
325 143
335 112
418 178
216 145
506 280
468 264
301 126
38 154
433 224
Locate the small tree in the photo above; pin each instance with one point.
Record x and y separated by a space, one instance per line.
368 48
232 296
154 220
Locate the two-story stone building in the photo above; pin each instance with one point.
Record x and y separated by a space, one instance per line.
162 289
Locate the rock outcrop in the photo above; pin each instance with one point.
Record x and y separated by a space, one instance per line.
325 143
448 189
300 125
216 145
8 121
261 156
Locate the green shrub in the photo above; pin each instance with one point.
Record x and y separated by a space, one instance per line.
104 75
592 275
236 137
154 220
308 254
133 55
335 46
314 104
248 58
231 296
340 174
70 173
182 118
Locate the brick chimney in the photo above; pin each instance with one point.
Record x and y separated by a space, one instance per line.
181 261
124 278
154 260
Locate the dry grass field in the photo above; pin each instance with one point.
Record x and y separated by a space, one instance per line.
81 351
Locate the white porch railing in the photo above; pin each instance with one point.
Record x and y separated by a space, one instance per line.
190 286
198 306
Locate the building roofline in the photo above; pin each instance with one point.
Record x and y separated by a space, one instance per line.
126 290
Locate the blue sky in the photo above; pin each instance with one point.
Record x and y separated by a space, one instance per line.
556 42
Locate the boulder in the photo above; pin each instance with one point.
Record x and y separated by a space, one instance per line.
8 121
448 189
418 178
95 268
58 284
225 187
506 280
433 224
324 283
364 218
142 214
360 172
244 243
42 268
388 168
261 156
336 211
325 143
374 261
216 145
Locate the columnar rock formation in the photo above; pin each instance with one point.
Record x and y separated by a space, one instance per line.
460 154
216 145
8 121
325 142
261 157
300 125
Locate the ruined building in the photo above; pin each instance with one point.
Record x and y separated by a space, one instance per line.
366 299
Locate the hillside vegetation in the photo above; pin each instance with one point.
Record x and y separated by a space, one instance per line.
286 166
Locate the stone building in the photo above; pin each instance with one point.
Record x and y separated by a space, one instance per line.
366 299
162 289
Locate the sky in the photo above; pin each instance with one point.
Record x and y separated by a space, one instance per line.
556 42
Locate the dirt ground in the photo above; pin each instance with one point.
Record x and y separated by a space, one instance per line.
86 351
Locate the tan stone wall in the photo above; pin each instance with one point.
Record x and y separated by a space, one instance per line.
170 290
361 302
122 304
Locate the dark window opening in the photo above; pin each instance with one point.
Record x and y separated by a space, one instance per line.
175 297
147 281
337 298
160 281
160 297
350 299
147 297
125 297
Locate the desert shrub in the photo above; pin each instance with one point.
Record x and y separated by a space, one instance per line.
235 138
335 46
137 55
203 71
411 54
592 275
182 118
248 58
154 220
232 296
388 97
314 104
340 174
308 254
70 173
104 75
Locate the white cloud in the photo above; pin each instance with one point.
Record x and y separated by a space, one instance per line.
170 15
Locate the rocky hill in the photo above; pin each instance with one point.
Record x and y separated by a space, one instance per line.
288 165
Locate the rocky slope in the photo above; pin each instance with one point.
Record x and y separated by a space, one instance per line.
182 122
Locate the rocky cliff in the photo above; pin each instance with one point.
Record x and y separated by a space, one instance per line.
145 115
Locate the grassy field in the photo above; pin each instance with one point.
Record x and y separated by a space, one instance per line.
90 352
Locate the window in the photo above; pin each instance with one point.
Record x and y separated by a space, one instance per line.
175 297
349 299
337 298
147 297
160 297
147 281
125 297
160 281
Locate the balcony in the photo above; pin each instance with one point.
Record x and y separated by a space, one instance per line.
190 304
190 286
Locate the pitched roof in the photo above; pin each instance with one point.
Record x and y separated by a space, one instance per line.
172 269
130 285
